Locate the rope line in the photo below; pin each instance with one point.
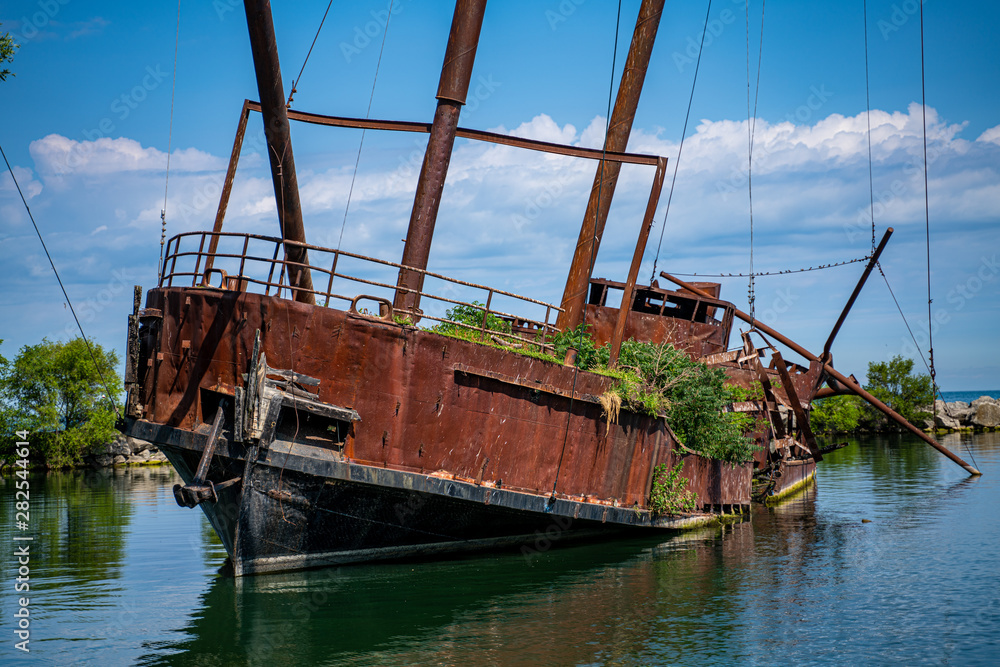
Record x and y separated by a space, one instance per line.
901 314
868 117
593 242
751 129
170 136
296 80
777 273
927 205
69 302
680 148
357 161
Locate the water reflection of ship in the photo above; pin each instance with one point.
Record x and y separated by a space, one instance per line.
638 601
600 601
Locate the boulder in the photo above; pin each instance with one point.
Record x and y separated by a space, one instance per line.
987 415
100 461
119 460
118 447
136 445
960 410
158 456
143 455
982 399
943 420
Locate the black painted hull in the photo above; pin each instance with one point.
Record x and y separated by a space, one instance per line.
300 507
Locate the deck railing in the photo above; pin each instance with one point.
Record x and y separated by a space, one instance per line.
256 263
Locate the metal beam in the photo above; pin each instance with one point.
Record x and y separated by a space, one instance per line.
633 273
843 379
619 128
279 143
857 290
456 73
227 187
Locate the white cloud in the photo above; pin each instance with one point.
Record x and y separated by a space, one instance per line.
991 135
25 178
56 155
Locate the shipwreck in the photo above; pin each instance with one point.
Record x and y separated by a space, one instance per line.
317 417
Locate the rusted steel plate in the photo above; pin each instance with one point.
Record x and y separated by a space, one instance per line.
417 413
695 338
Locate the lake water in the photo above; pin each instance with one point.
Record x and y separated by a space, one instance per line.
121 575
968 396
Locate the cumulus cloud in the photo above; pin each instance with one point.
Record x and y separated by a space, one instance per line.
56 155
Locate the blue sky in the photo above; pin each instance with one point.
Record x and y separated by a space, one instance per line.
86 127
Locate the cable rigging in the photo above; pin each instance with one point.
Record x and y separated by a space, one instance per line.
927 208
170 136
680 148
69 302
361 144
296 80
776 273
751 128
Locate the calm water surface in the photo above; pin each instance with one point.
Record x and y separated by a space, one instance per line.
121 575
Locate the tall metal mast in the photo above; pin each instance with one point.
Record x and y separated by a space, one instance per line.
620 127
452 90
279 144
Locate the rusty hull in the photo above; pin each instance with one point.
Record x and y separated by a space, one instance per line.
428 403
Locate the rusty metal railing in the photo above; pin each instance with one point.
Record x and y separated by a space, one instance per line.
196 259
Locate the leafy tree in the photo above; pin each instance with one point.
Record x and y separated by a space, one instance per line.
894 383
7 48
837 414
57 392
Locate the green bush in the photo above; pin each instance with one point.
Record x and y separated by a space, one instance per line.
56 392
578 339
894 383
669 495
837 414
472 317
660 379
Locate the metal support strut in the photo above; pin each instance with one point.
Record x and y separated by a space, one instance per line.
847 382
